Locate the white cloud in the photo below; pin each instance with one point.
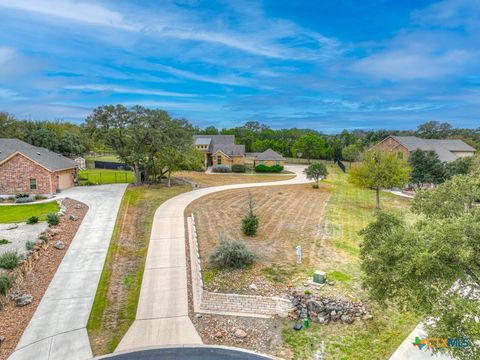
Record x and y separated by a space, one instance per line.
125 90
72 10
9 94
6 54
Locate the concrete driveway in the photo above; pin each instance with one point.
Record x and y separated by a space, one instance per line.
162 312
58 327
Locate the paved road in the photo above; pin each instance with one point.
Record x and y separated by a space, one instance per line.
162 313
189 353
58 327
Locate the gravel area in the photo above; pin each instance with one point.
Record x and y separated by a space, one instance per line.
260 335
14 319
20 235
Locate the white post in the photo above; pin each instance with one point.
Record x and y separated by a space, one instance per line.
299 254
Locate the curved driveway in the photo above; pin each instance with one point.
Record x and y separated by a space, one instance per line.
162 313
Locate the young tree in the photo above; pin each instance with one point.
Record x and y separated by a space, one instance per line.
431 267
250 220
426 167
316 171
380 170
351 153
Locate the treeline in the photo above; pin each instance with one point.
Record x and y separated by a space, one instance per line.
73 139
346 145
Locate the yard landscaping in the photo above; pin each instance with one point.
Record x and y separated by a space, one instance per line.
117 295
104 176
203 179
326 223
20 213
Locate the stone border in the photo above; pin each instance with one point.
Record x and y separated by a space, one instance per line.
227 304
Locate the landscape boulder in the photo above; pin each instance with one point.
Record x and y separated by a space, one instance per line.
59 245
22 299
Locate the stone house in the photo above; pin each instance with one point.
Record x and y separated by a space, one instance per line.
222 150
25 168
447 150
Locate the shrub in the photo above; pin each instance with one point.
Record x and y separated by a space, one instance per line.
238 168
40 197
22 195
269 169
9 260
4 242
23 200
4 284
250 220
53 218
44 238
232 254
29 245
32 220
221 169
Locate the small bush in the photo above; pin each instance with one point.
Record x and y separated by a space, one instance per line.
53 218
4 284
40 197
44 238
22 195
9 260
32 220
221 169
232 254
30 245
23 200
269 169
238 168
4 242
250 220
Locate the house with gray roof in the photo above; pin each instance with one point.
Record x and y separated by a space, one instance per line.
222 150
25 168
448 150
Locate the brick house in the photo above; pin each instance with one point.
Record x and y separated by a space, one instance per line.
25 168
222 150
447 150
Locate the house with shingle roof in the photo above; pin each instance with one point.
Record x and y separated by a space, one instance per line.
222 150
448 150
25 168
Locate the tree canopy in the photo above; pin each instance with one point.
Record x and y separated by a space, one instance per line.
432 266
316 171
380 170
426 167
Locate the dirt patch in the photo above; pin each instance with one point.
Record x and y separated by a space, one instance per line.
289 215
260 335
14 319
201 179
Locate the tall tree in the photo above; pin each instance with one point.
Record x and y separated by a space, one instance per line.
351 153
426 167
310 146
432 266
380 170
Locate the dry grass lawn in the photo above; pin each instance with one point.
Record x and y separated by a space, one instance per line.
205 180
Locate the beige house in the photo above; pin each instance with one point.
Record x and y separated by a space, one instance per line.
447 150
222 150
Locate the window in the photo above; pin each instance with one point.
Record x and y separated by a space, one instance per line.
33 184
219 160
262 162
277 162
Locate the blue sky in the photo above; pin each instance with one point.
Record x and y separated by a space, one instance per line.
327 65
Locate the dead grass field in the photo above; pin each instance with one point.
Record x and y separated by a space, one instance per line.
289 215
205 180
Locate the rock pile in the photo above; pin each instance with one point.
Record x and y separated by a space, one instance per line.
324 309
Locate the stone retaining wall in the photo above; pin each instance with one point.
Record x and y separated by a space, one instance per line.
220 303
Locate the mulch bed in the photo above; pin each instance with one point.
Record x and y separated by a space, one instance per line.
14 319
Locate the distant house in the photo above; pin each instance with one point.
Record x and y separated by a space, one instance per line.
447 150
25 168
222 150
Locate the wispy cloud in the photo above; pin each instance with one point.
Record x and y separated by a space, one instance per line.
124 90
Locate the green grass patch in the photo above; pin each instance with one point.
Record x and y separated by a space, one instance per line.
21 213
209 274
103 176
338 276
4 242
116 300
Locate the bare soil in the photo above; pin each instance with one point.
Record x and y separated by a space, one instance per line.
202 179
289 215
14 320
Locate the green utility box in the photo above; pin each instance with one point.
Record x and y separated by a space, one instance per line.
319 277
